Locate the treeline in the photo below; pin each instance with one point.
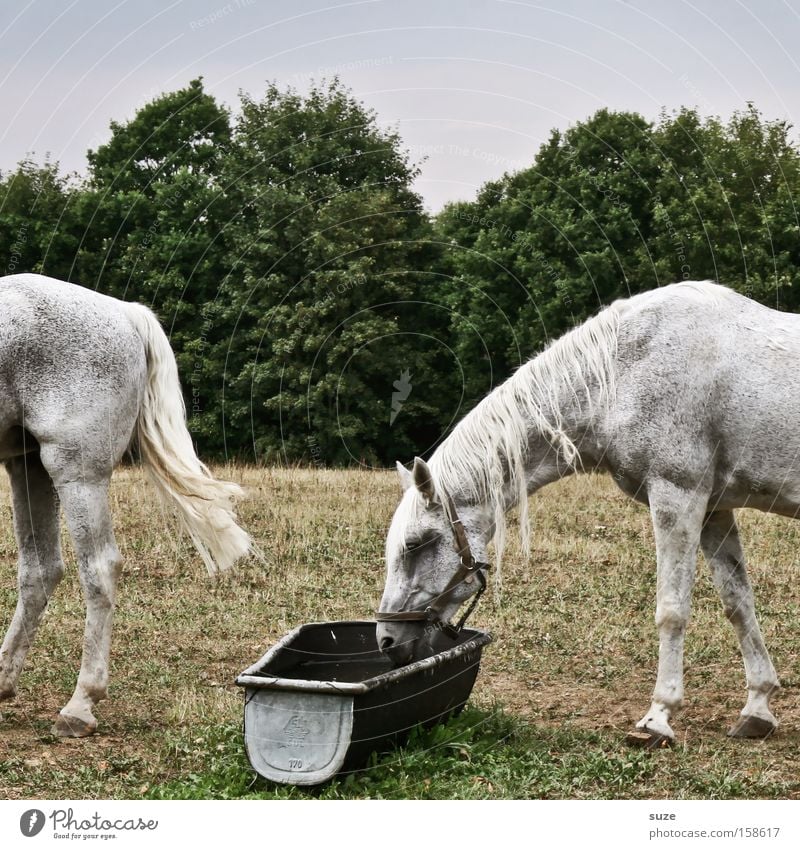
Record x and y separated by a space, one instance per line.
318 313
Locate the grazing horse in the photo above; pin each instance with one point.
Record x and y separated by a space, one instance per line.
82 375
689 396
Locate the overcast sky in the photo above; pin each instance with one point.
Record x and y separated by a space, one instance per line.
474 85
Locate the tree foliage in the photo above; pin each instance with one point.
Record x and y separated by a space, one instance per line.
38 229
325 306
316 311
154 215
613 206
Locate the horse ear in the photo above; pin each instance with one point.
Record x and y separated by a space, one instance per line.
406 478
423 480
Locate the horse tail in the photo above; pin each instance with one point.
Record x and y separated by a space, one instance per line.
205 505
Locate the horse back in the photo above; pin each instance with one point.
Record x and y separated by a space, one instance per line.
708 393
71 363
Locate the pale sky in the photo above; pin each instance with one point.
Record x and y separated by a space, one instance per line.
473 85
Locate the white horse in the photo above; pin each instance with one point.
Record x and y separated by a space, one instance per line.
689 395
82 375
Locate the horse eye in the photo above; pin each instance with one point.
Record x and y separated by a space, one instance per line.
417 543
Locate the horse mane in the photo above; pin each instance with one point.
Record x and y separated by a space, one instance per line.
483 459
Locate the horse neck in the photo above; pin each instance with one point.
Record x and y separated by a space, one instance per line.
558 451
530 431
538 426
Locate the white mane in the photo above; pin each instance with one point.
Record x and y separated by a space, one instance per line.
483 459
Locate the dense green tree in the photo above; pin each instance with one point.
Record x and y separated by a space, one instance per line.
724 204
326 305
155 217
545 246
39 231
315 310
613 206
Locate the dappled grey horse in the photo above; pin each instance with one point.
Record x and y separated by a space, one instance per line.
689 396
82 375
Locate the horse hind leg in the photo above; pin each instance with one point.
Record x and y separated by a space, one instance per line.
722 548
36 526
84 498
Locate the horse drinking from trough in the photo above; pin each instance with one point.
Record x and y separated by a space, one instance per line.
689 395
82 375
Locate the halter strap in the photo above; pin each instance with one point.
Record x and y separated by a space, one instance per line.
468 570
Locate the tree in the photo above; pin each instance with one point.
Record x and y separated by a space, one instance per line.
613 206
325 307
316 311
724 204
155 218
38 227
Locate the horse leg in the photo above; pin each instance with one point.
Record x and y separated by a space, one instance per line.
723 550
88 518
677 521
36 527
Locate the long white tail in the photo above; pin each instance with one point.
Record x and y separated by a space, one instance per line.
204 504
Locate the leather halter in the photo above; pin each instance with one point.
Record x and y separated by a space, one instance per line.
468 570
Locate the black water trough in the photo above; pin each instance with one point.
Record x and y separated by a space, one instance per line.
324 697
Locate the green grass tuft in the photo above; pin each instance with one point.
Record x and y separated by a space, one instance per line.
478 755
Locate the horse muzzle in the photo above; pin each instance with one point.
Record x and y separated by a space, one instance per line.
401 642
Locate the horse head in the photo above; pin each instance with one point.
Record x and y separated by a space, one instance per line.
434 563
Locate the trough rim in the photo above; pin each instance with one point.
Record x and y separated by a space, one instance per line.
251 677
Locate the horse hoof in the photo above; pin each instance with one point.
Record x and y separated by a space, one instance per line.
641 738
752 728
71 726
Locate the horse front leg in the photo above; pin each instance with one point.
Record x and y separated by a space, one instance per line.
99 563
723 550
677 515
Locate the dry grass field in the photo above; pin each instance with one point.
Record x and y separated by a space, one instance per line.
571 668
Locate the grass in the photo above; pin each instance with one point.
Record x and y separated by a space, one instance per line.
479 755
571 668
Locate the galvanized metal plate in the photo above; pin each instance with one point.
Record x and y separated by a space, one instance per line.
295 737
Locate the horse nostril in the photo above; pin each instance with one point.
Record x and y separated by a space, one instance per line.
386 643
